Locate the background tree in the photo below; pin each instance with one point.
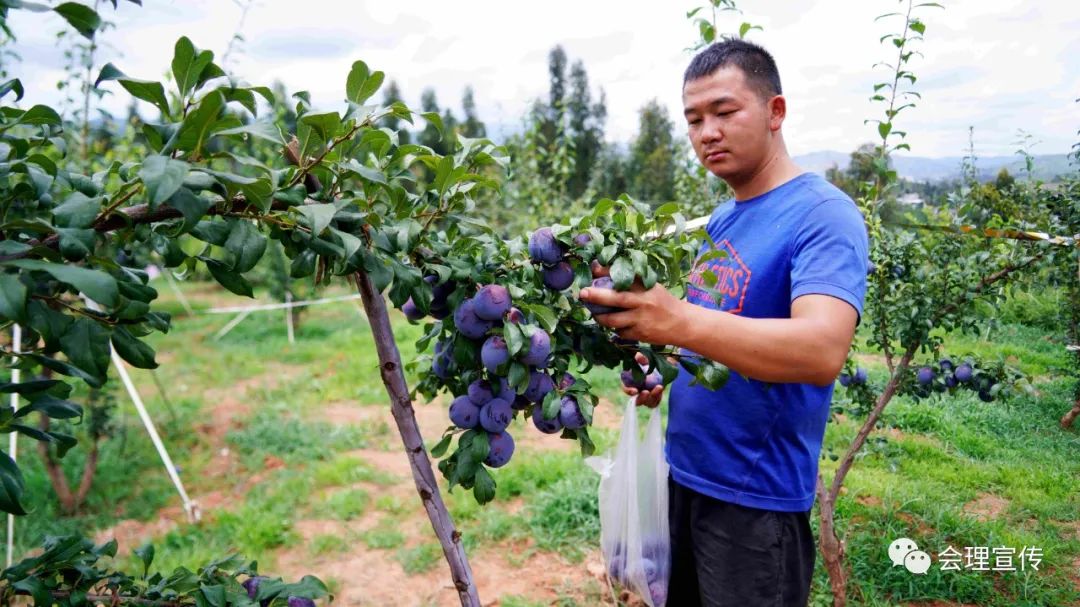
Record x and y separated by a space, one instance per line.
471 126
652 155
392 95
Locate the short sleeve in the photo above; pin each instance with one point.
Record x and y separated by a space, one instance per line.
830 253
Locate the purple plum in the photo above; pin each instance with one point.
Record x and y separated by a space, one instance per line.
540 384
515 316
559 276
603 282
986 396
845 379
963 373
924 376
566 381
520 403
658 592
468 323
494 353
300 601
649 567
464 413
570 414
442 360
491 302
547 426
412 312
496 415
539 349
582 239
252 586
945 364
544 248
860 377
501 449
480 392
654 379
503 390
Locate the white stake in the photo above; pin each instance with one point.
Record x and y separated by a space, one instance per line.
288 318
16 346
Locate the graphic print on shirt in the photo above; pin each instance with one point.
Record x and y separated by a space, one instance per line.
732 281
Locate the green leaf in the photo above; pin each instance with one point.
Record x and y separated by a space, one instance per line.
51 406
187 64
77 211
227 278
96 284
65 368
40 115
362 83
198 124
86 344
109 72
483 486
76 243
11 487
30 387
262 129
191 206
81 17
246 244
147 90
35 587
440 448
622 273
146 554
162 176
12 85
214 595
325 125
133 350
317 216
214 232
551 405
13 295
514 339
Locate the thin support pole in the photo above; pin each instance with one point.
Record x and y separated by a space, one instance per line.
16 347
232 324
288 318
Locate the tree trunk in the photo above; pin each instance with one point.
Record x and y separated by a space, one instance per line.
56 473
401 405
832 548
1072 414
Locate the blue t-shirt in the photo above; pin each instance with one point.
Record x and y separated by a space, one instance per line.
753 443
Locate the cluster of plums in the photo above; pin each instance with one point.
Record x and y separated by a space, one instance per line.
490 403
652 563
948 375
945 376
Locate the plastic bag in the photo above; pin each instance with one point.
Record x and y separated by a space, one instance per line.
634 533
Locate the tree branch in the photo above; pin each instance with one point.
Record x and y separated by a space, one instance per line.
401 406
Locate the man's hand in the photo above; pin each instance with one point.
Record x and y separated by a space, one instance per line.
653 316
645 398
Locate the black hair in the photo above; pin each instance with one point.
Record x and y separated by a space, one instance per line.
754 61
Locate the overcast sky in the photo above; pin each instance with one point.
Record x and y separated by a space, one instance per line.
997 65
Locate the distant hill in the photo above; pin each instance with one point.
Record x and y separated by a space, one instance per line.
918 168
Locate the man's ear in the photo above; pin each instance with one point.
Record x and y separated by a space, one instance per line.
777 112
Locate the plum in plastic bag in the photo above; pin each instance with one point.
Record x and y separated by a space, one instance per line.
634 534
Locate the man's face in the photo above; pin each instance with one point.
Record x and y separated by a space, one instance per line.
730 125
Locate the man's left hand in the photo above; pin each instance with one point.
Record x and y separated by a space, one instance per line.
653 316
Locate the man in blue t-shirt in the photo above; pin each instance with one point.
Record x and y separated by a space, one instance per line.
781 317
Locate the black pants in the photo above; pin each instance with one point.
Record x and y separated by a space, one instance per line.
725 555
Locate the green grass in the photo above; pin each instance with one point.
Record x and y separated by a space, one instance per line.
383 536
343 505
420 558
329 544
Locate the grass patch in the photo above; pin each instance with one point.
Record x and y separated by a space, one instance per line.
420 558
344 505
384 536
328 544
